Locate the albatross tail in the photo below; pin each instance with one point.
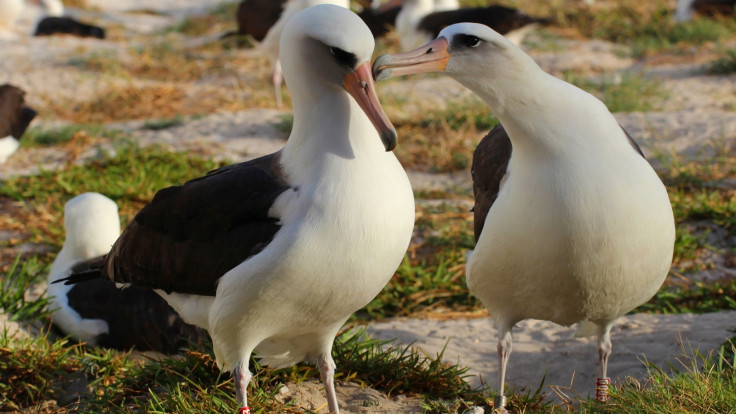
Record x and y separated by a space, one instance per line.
83 271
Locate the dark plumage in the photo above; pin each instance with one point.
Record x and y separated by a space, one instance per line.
66 25
14 115
183 242
715 7
499 18
256 17
490 161
136 318
379 21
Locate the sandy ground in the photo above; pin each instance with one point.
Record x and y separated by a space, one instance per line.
697 119
570 364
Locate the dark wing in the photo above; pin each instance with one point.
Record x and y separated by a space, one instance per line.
715 7
379 22
633 143
49 26
490 161
136 318
14 115
499 18
188 236
255 17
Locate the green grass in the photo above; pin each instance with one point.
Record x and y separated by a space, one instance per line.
131 177
13 286
723 65
163 123
704 384
626 92
218 16
50 136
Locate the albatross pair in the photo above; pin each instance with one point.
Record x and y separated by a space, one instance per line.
273 255
572 223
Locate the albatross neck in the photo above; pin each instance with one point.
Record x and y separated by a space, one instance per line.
328 123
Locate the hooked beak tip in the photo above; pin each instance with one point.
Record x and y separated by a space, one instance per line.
389 139
379 72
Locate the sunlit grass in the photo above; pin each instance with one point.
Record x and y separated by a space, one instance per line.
626 92
723 65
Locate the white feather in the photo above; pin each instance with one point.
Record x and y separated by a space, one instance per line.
92 225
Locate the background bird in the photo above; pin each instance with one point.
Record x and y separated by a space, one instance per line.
256 17
274 254
97 312
420 21
49 26
15 117
686 9
271 42
581 229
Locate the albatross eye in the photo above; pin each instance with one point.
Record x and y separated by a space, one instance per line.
469 40
344 58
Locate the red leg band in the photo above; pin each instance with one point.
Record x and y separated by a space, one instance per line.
601 389
244 410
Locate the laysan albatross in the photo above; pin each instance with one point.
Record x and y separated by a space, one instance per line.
15 117
274 254
97 312
581 229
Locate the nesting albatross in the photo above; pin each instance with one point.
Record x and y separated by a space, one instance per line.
97 312
581 228
274 254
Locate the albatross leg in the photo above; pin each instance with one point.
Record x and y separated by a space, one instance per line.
242 376
327 373
604 352
504 351
276 78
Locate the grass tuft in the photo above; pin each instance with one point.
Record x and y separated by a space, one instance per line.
705 384
14 285
723 65
625 92
46 137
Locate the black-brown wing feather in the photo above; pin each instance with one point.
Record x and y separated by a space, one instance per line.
14 115
136 318
255 17
490 161
715 7
188 236
379 22
499 18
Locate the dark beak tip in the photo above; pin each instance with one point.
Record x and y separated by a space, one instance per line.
380 73
389 139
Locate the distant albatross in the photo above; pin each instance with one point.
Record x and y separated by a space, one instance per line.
419 21
97 312
274 254
15 117
271 42
575 224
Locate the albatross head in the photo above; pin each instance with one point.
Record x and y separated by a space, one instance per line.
330 47
473 54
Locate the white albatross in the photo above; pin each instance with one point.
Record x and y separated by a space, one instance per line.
581 229
273 255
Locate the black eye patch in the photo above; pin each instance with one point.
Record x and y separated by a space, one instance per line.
344 58
464 40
